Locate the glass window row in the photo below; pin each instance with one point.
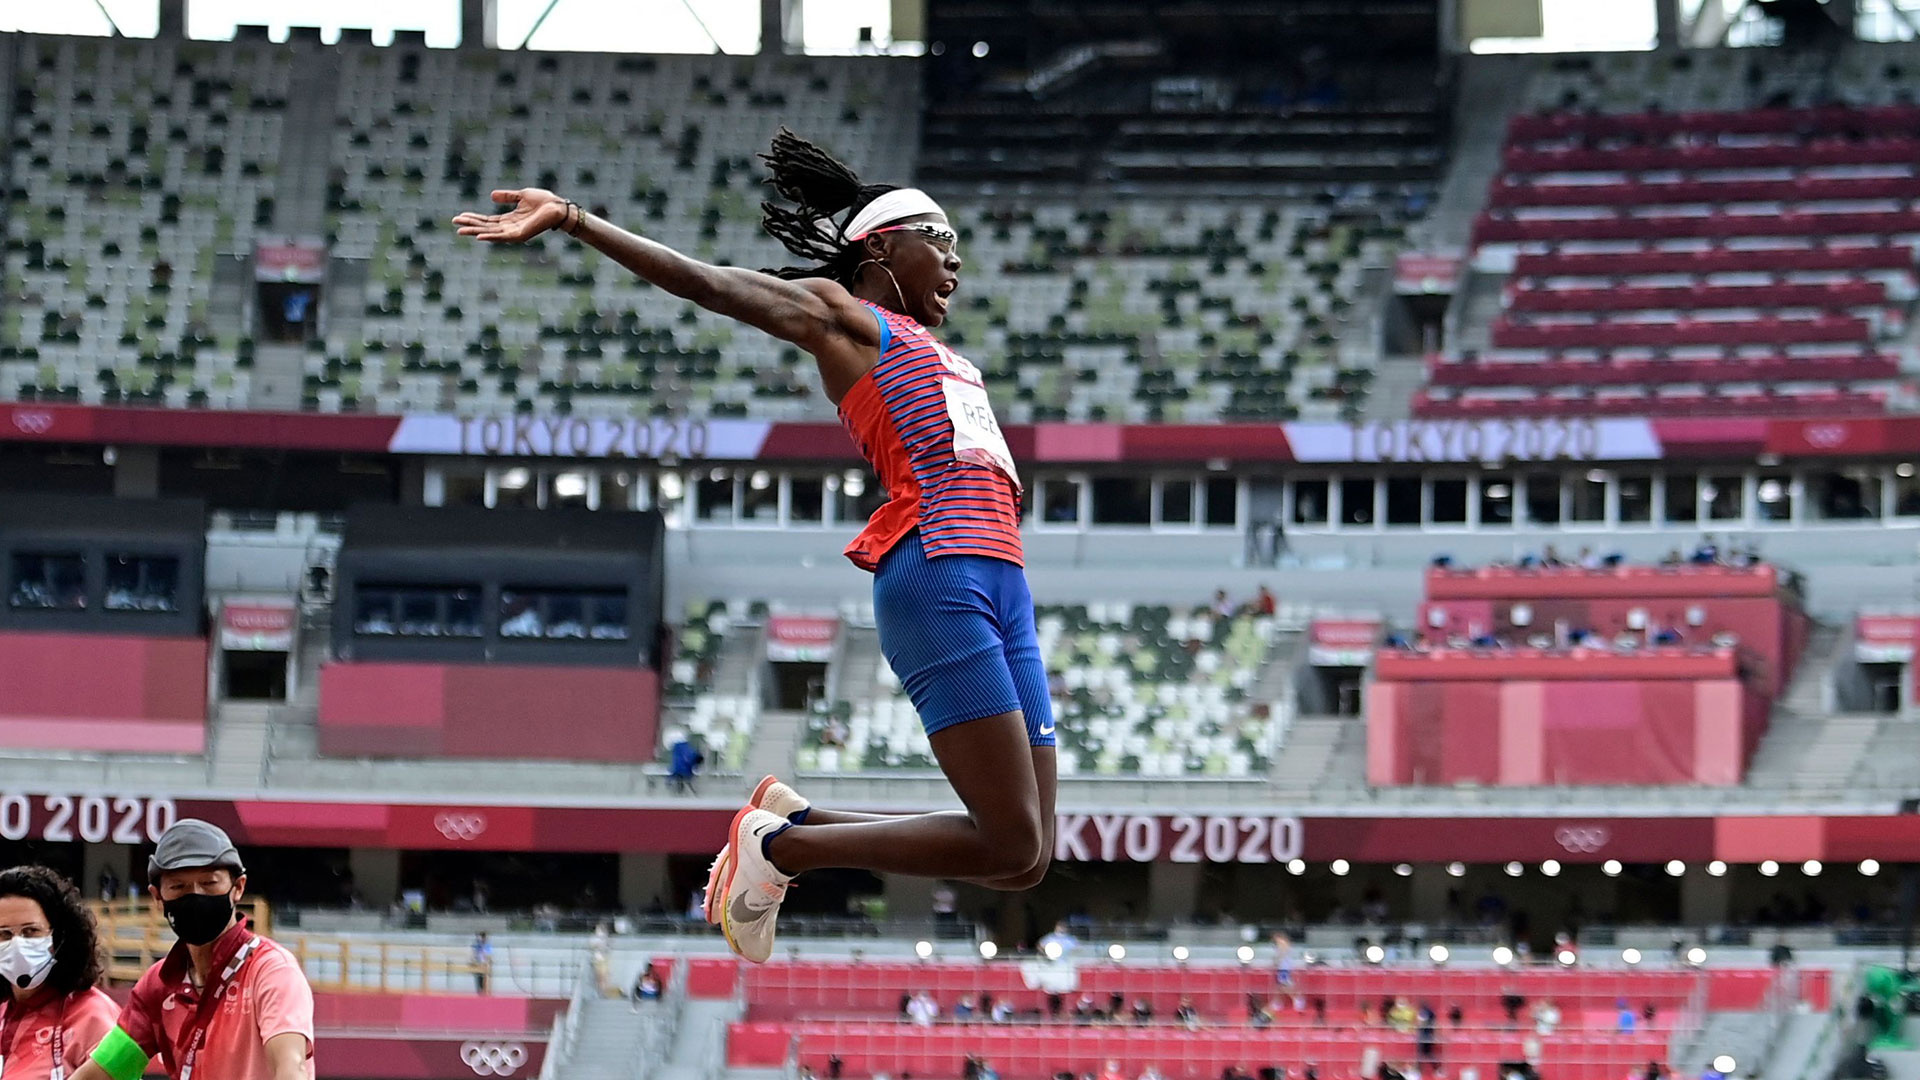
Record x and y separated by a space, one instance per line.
756 497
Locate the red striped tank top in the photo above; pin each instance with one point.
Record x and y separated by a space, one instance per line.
922 420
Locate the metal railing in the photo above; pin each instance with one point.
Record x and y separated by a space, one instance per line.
566 1028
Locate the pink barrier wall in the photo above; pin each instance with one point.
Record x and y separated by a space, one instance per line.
1515 732
428 1013
415 1057
488 710
1639 583
103 692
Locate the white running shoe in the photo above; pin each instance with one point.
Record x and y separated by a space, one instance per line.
772 795
754 889
776 796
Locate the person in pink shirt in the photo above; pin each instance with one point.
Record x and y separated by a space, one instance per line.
226 1003
52 1010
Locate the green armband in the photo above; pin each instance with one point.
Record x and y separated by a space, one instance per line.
120 1056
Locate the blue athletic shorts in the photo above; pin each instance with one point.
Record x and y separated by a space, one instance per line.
958 631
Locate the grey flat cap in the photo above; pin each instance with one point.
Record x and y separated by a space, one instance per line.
189 844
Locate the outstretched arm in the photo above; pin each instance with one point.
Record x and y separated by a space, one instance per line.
815 314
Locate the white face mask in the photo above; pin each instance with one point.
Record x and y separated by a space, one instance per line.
25 963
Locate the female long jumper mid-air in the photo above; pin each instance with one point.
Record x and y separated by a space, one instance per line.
949 589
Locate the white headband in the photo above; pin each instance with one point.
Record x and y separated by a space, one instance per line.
895 205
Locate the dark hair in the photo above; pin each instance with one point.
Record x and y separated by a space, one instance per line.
827 194
76 940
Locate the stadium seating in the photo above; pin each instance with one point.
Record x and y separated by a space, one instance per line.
830 989
1328 1016
720 722
1148 311
135 164
1696 234
1142 311
1035 1052
1138 690
662 144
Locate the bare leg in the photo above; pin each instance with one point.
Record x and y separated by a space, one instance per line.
1002 837
1045 771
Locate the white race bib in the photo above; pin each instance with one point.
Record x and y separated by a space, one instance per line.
976 434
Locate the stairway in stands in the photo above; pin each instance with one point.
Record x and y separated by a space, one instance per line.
1808 749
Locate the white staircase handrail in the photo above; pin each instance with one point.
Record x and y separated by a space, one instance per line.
566 1027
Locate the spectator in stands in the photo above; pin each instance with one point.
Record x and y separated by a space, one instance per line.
1400 1015
1627 1021
1142 1012
50 974
1112 1071
1002 1012
109 886
943 904
922 1010
1061 937
1455 1015
481 959
1263 602
1512 1001
196 875
1426 1038
1546 1017
1673 558
963 1009
1589 559
1550 558
1222 606
647 986
684 761
1706 552
1187 1014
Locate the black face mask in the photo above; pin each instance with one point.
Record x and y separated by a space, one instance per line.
199 918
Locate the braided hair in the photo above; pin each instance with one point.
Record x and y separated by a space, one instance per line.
827 194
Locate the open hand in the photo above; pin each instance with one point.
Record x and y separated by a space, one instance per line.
535 210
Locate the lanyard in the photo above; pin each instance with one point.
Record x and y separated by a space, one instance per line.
203 1013
11 1034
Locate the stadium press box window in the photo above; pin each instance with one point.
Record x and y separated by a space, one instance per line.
142 583
49 581
417 611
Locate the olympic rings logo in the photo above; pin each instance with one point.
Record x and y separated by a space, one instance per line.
1583 840
33 423
460 826
492 1058
1826 436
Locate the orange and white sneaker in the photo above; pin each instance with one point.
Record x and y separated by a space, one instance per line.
754 888
776 796
772 795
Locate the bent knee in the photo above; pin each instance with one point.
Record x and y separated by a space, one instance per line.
1031 877
1015 850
